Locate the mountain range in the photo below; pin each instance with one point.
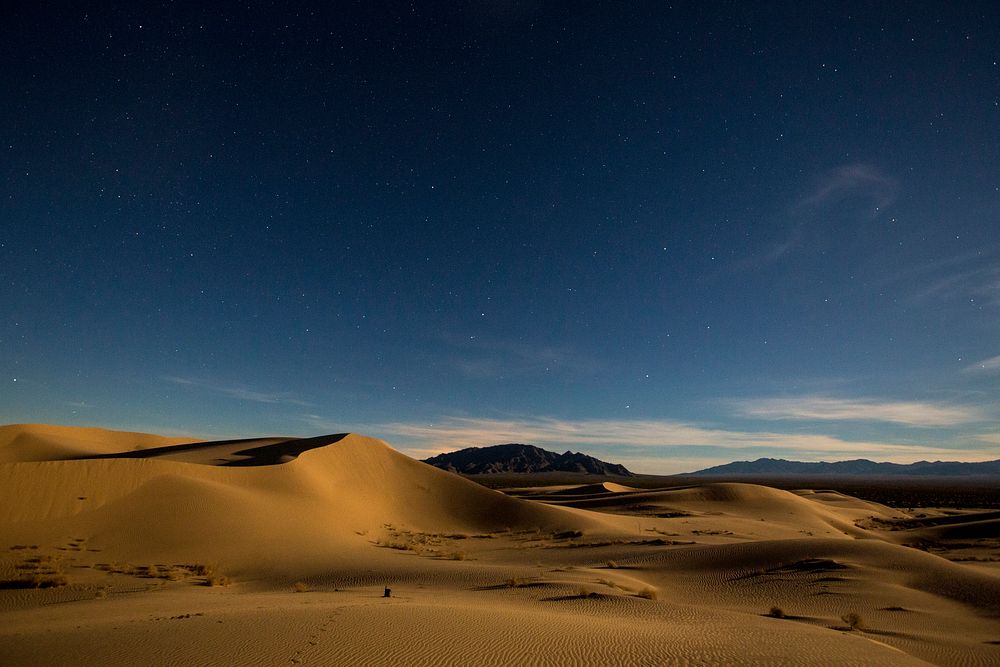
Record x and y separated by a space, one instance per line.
854 467
518 458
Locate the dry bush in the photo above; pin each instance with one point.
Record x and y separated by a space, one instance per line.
776 612
853 621
217 580
35 581
301 587
399 544
648 593
567 534
49 581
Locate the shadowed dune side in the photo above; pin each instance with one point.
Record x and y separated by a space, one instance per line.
44 442
243 452
309 532
592 489
734 507
329 496
722 566
22 443
971 529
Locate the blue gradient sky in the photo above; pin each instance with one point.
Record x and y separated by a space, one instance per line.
667 237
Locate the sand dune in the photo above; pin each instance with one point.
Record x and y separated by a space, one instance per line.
43 442
127 532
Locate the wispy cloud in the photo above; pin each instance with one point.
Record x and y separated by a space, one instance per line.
850 182
452 433
857 185
971 275
991 365
981 283
818 408
483 358
238 391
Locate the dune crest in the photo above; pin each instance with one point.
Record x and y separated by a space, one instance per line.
275 550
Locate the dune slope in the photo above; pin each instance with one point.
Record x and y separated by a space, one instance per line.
275 550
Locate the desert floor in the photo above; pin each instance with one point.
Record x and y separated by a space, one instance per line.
131 549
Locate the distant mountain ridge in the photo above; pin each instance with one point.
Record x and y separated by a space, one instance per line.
854 467
518 458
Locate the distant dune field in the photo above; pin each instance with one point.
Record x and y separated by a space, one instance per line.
133 549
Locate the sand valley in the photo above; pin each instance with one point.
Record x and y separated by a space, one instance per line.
129 549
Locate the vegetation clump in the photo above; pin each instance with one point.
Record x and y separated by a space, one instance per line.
853 621
648 593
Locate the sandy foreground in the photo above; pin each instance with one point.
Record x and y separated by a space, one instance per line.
132 549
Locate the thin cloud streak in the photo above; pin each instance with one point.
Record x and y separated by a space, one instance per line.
452 433
991 365
848 181
496 359
239 392
817 408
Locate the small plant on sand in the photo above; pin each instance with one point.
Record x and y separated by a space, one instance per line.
648 592
776 612
853 621
35 581
300 587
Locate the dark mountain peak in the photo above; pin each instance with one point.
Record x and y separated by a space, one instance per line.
853 467
517 458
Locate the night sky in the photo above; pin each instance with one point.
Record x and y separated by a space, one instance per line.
667 236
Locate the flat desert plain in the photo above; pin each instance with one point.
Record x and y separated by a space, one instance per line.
132 549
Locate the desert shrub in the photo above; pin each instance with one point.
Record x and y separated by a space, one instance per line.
648 592
402 545
567 534
49 581
35 581
853 621
776 612
300 587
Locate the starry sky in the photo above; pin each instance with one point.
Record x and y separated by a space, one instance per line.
668 236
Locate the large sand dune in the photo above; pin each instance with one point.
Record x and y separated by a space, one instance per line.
151 550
